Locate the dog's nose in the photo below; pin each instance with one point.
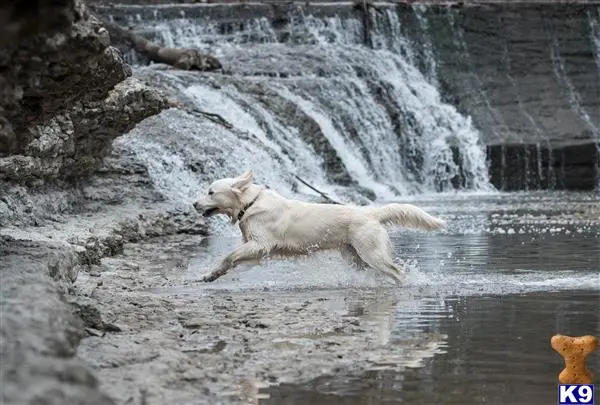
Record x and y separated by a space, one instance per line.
198 206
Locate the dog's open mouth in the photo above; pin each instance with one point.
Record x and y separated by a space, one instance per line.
209 212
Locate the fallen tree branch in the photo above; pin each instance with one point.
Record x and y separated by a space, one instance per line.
322 194
181 58
214 117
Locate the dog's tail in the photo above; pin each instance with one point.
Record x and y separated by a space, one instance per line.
406 215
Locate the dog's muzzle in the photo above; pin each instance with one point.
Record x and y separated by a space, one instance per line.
206 212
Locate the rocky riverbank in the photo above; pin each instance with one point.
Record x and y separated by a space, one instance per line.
85 300
66 94
40 329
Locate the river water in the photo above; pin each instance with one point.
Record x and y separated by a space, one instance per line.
509 272
497 351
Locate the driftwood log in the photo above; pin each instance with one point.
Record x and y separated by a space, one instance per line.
181 58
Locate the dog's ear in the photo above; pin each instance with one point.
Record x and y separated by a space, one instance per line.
242 181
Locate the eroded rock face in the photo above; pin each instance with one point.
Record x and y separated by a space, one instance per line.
66 96
76 140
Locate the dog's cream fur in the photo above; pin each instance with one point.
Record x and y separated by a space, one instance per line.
273 225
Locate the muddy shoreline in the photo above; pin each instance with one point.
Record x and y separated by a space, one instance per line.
209 347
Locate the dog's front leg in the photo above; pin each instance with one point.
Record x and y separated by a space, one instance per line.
249 251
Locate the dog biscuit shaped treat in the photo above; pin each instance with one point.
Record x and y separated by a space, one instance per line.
574 350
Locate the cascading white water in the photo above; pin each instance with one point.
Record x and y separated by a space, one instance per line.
323 106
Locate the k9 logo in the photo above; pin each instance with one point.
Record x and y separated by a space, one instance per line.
576 394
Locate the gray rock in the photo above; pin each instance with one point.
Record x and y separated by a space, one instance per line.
39 332
66 94
66 98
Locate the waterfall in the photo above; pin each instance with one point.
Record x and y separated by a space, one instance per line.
310 99
594 21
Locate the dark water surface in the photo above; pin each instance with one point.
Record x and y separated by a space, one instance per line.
509 272
497 351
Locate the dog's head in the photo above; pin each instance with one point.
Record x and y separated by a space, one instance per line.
225 196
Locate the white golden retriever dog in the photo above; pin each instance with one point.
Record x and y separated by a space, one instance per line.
275 226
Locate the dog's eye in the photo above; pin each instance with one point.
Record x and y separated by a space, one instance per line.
210 192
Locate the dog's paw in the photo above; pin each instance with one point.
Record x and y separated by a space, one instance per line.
204 278
399 279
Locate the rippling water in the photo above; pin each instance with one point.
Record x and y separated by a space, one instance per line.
494 297
487 293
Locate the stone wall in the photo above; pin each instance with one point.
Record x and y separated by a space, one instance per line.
529 75
524 72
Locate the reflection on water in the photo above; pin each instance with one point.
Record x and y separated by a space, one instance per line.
497 351
472 323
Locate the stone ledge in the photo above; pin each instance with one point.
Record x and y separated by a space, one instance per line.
75 142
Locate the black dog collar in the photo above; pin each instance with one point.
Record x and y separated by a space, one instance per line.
243 211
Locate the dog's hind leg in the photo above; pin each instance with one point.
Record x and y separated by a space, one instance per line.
248 252
351 256
372 245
